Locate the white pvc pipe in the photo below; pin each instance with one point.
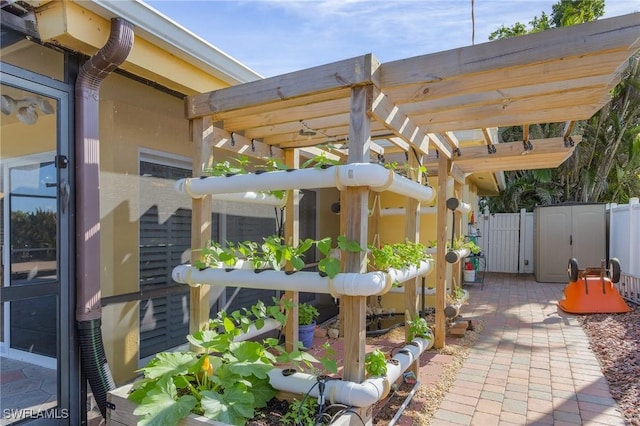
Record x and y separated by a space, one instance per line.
463 207
253 198
353 394
459 254
349 175
402 275
348 284
269 181
401 211
253 331
374 283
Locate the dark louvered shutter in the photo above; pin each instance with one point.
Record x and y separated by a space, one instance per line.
242 228
164 239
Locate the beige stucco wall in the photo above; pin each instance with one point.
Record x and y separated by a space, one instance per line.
132 116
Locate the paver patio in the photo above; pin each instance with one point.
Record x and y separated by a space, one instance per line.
530 365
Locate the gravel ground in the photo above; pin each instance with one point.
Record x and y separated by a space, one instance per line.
615 340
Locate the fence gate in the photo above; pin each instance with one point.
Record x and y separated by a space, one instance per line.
507 241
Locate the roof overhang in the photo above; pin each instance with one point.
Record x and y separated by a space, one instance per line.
163 51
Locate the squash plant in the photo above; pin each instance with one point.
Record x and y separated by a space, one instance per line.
226 383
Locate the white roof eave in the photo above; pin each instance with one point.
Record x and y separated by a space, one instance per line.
176 39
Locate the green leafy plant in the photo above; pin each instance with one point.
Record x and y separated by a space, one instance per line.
404 169
330 265
460 243
397 255
272 253
226 383
418 327
307 314
240 166
375 363
214 255
456 296
472 246
301 412
227 168
319 161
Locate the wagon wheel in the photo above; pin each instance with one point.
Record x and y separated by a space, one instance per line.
572 269
614 270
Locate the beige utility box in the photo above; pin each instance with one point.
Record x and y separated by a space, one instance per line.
566 231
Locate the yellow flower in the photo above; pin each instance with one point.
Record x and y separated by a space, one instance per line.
210 370
206 364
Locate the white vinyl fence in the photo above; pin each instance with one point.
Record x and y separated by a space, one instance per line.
507 241
624 244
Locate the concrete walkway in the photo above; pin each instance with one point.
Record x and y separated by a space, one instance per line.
531 365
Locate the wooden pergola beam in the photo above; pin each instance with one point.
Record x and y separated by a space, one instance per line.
512 112
567 42
546 153
346 73
457 120
505 85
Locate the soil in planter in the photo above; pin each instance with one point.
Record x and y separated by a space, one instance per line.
271 414
383 411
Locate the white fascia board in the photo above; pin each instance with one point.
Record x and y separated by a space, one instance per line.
500 180
175 39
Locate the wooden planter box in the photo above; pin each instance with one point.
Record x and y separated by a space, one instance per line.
122 414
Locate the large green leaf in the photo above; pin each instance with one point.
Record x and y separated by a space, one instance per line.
169 363
210 340
235 406
140 390
262 391
249 368
247 350
161 406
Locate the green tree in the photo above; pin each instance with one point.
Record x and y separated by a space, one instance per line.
604 167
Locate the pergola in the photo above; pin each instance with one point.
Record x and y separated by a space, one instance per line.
358 109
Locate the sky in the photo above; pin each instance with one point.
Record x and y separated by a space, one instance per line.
274 37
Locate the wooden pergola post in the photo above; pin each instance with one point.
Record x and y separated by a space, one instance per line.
458 222
441 264
201 136
356 210
292 237
412 233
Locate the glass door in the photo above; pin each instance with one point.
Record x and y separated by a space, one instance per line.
36 311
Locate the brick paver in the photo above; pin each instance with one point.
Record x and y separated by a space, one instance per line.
531 365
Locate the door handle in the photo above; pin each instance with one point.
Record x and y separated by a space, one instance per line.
570 240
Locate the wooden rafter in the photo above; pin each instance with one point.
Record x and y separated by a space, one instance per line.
398 123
